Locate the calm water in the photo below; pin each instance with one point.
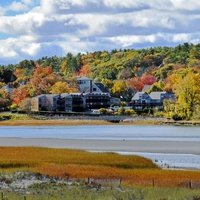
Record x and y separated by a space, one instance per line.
151 133
136 133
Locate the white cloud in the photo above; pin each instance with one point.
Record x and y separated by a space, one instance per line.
89 25
21 24
129 40
124 3
15 47
186 4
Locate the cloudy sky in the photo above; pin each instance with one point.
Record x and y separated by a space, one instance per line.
30 29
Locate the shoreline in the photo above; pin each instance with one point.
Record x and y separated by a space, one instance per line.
88 122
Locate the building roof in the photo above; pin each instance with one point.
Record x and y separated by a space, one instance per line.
102 87
146 88
156 95
83 78
137 95
51 95
63 95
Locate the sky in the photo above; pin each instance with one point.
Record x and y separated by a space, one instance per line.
31 29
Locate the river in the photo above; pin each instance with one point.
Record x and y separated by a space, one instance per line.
169 146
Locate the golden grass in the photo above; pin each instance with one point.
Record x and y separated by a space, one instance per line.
32 122
82 164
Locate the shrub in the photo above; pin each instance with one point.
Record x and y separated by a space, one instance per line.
103 111
130 112
176 117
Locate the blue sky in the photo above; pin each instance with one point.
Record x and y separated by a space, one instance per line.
30 29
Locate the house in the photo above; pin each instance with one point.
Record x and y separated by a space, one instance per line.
65 102
154 100
115 101
52 101
87 85
77 102
96 100
45 102
8 88
38 103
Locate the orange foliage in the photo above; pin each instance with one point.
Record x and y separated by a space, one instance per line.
43 79
81 164
20 94
85 70
136 84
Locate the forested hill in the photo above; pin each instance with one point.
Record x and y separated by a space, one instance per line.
122 71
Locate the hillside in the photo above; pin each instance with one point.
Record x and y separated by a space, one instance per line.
123 72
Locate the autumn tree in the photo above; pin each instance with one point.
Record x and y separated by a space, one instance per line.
61 87
188 94
4 99
148 79
42 80
119 88
25 105
136 84
20 94
157 86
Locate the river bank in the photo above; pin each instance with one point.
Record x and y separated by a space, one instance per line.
84 120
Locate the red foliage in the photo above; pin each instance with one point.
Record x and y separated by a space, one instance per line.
148 79
136 84
20 94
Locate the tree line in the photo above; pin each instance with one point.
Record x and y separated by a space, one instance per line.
123 72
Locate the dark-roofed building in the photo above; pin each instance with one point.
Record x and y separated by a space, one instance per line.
45 102
143 100
65 102
96 100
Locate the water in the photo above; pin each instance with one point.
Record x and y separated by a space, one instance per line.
144 133
118 133
184 161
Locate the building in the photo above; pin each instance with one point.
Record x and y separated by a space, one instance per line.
38 103
65 102
92 96
154 100
76 102
96 100
46 102
87 85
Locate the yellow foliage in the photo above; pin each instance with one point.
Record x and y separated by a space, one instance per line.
61 87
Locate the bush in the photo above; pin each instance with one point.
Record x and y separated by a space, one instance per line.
103 111
130 112
159 114
177 117
121 111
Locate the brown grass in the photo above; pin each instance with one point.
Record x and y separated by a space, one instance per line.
32 122
82 164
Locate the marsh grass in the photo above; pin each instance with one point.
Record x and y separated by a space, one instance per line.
133 170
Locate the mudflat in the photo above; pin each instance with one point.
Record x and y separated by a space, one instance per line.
176 147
